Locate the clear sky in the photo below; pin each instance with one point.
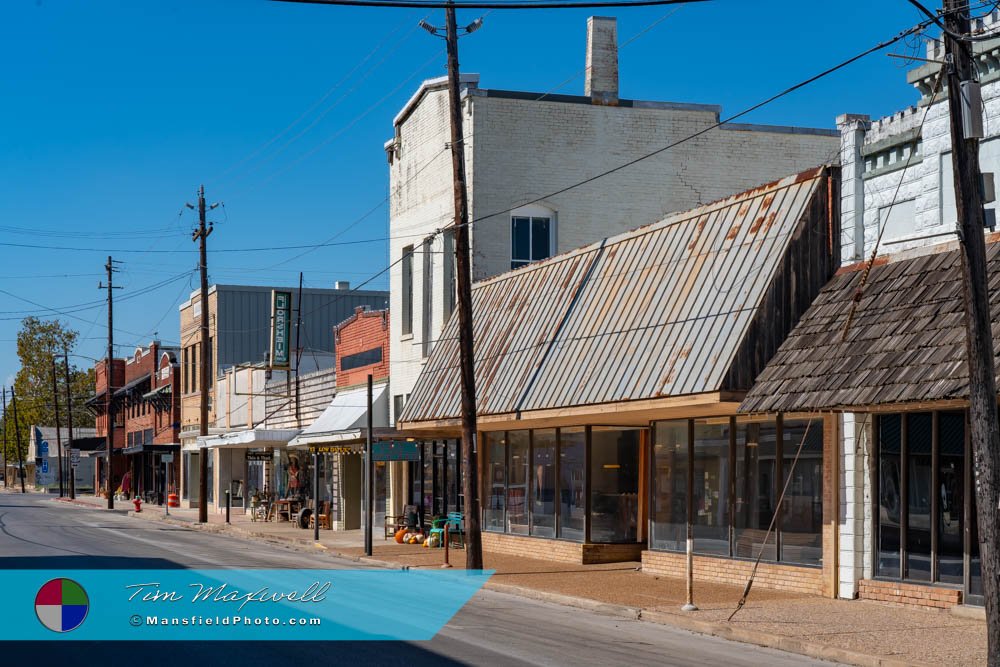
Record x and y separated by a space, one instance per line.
114 111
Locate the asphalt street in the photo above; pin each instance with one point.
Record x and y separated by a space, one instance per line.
37 532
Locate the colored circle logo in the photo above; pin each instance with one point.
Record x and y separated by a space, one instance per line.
61 605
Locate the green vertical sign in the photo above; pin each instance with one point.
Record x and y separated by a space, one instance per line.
281 328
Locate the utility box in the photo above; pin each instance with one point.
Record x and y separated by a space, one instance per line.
972 109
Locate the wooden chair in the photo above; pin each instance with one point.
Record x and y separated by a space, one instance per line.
325 517
396 522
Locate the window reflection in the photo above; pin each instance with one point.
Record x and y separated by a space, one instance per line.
572 480
802 510
517 489
614 491
668 530
543 483
711 486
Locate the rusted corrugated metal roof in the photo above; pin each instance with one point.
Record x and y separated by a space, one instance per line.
906 342
658 311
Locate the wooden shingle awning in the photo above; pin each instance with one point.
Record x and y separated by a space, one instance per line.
905 345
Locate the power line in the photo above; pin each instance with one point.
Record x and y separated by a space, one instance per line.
476 4
787 91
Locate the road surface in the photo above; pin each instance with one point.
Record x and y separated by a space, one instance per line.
494 629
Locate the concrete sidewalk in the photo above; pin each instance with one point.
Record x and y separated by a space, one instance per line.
853 632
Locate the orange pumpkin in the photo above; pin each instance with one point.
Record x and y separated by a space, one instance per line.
399 535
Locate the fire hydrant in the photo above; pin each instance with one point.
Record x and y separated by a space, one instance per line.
138 504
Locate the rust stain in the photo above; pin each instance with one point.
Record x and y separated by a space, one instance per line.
733 232
697 232
771 217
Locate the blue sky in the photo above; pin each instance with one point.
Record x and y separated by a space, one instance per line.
114 111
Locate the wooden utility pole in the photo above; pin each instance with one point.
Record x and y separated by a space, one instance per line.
201 236
17 438
109 369
369 476
59 449
470 474
5 437
69 426
984 430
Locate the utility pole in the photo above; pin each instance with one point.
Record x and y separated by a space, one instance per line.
201 236
109 369
69 418
983 420
59 449
5 437
17 438
470 474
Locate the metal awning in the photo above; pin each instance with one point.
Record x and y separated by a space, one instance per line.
158 448
346 418
255 437
163 390
129 386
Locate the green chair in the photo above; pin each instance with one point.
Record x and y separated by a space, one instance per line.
437 528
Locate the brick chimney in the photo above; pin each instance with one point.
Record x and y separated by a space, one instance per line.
602 60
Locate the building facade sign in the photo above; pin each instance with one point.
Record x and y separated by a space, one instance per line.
281 328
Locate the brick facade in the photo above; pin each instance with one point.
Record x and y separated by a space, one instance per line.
99 405
560 550
161 418
792 578
909 595
362 332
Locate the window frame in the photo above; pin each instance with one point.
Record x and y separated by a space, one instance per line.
531 213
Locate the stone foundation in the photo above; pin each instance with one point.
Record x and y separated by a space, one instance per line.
791 578
909 595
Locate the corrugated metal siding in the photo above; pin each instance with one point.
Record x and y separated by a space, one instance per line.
659 311
316 390
244 318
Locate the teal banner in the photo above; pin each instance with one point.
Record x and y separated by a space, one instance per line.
230 605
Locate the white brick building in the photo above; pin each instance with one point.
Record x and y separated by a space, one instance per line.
521 146
897 177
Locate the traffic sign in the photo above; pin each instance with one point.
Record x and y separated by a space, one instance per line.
167 458
74 457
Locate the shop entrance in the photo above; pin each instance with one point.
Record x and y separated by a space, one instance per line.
351 475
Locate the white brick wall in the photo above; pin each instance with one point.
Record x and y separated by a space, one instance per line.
926 184
855 504
521 150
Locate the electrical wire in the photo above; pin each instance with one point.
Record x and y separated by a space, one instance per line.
787 91
477 4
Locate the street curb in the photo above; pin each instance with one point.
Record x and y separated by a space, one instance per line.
711 628
84 503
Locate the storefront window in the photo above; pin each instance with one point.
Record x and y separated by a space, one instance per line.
756 499
517 490
454 490
802 510
293 473
951 506
889 506
918 523
614 494
495 486
711 486
543 483
669 498
923 458
572 483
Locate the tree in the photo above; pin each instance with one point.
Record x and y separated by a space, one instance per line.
38 342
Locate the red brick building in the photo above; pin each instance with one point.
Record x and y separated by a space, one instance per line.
98 404
145 391
362 347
